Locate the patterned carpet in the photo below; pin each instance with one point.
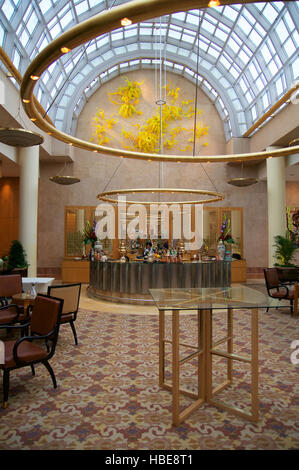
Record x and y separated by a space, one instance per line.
108 395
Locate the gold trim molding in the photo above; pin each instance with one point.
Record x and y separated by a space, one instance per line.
109 20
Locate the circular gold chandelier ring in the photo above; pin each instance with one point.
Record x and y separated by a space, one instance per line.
107 21
216 196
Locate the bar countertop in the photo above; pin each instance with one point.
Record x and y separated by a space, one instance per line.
130 282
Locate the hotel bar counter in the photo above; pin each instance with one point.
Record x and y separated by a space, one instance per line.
130 282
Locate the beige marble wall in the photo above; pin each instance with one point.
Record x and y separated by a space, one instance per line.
100 172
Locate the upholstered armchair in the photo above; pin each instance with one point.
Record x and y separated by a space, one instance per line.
70 293
30 350
10 284
277 290
10 314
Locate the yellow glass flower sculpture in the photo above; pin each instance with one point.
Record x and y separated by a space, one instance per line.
163 122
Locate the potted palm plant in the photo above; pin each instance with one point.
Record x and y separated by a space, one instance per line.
284 250
284 253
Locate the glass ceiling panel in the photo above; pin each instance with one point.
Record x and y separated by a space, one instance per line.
244 52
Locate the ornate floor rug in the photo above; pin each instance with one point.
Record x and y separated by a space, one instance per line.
108 395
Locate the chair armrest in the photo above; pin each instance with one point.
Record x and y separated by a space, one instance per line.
3 301
27 338
18 308
287 289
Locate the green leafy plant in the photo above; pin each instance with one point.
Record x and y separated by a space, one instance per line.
284 250
89 233
225 231
17 256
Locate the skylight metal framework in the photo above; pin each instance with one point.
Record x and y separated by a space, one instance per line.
248 54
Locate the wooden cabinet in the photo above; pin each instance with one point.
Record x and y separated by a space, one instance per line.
238 270
75 270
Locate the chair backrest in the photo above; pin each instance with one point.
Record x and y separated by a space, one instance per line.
271 278
46 314
10 284
70 293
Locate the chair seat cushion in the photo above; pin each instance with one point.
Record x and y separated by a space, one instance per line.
27 352
282 294
9 315
66 317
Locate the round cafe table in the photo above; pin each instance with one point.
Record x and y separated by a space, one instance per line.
23 300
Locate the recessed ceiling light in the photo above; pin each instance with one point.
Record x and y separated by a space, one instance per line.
65 49
125 22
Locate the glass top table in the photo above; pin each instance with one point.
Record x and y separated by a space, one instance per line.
207 302
235 297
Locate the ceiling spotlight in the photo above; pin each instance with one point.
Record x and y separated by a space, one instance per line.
214 3
34 77
25 101
294 142
125 22
65 49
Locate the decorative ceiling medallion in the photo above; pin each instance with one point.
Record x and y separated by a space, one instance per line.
64 180
242 182
19 137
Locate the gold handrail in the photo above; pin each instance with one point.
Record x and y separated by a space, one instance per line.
272 110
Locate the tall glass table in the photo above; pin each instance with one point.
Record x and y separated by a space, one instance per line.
207 302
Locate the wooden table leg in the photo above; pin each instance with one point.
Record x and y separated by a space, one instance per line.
254 364
253 361
161 347
208 355
175 368
230 343
201 358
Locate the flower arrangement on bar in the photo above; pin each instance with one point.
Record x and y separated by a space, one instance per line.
225 231
89 233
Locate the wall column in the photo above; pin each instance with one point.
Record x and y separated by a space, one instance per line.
29 176
276 192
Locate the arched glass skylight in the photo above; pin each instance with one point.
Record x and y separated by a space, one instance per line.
248 54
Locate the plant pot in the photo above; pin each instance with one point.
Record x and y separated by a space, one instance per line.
22 271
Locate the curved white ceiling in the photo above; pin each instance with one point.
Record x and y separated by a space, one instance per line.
248 54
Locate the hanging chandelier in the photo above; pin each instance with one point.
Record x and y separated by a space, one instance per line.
16 137
242 181
64 180
110 196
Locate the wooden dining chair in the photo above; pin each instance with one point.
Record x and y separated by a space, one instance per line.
70 293
24 352
11 284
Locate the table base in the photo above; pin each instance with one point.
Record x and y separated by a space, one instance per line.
204 352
